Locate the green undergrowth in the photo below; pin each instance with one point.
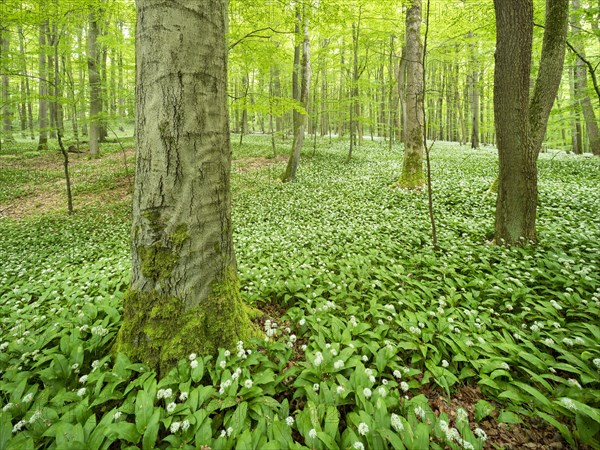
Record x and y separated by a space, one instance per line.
376 323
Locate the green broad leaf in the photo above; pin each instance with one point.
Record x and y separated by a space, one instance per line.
238 418
392 438
509 417
541 398
125 431
313 414
144 408
513 395
483 409
151 431
66 434
245 441
282 433
327 440
421 438
332 420
5 429
21 441
88 428
487 381
198 371
381 360
264 377
586 428
592 413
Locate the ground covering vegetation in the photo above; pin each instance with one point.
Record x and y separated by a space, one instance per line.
372 338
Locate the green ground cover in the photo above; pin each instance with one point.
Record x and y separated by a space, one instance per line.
370 333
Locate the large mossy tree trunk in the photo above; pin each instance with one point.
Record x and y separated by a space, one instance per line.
521 123
184 293
412 166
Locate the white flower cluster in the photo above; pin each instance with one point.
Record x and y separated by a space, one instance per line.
99 331
318 359
164 393
397 423
227 432
270 329
363 429
183 426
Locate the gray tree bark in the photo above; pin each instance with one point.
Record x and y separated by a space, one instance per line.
580 84
93 61
184 293
7 108
474 81
521 124
43 89
302 77
412 167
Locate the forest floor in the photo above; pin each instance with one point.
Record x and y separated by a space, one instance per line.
33 187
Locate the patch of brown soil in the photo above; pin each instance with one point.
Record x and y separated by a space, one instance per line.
244 165
55 200
531 434
50 196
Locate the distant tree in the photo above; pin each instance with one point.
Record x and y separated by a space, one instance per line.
521 122
580 82
7 109
412 167
93 63
184 293
300 88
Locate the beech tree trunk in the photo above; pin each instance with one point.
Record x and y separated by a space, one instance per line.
580 85
412 167
521 125
474 79
93 61
43 90
7 108
184 293
301 95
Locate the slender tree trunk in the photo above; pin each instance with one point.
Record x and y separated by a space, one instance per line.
580 84
7 107
402 94
474 79
184 293
412 167
95 85
43 89
83 94
27 86
521 124
576 138
52 41
299 118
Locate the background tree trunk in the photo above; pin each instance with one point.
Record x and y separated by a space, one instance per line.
43 89
95 85
184 293
299 118
580 84
412 167
7 106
